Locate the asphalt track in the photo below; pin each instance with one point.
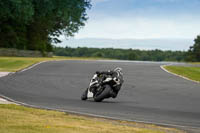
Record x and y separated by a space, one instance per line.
148 94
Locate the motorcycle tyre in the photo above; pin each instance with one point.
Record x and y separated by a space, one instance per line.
84 95
104 94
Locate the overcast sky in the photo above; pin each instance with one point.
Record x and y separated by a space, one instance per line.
142 19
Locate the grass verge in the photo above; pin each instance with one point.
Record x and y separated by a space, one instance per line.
192 73
20 119
13 64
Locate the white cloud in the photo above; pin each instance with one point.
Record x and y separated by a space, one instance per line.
140 27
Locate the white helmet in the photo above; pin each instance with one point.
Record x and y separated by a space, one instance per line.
118 69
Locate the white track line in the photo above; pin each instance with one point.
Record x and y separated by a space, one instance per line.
163 68
34 65
2 74
2 100
25 69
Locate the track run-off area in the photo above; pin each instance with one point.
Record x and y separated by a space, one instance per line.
148 94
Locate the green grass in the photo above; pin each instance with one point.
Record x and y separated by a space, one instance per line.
192 73
12 64
20 119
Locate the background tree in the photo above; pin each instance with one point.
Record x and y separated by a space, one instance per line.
194 51
14 17
35 24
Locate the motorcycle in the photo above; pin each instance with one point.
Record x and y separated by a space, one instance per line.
101 87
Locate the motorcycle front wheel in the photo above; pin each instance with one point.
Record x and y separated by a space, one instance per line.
104 94
84 95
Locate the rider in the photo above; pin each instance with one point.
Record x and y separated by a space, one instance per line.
118 77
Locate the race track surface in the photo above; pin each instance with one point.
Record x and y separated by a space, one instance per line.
149 94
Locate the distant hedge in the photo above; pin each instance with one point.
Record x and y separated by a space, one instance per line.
122 54
24 53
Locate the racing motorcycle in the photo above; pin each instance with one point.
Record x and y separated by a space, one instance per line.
101 87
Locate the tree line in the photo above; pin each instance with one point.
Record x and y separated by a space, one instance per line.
192 55
36 24
122 54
